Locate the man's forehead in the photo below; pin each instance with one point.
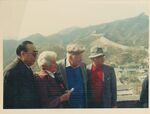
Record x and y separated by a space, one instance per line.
77 55
31 47
99 57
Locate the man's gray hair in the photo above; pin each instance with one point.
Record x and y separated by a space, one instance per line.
45 58
75 49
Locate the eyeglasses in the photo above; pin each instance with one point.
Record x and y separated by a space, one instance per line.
34 53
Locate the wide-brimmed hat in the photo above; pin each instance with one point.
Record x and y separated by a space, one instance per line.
96 52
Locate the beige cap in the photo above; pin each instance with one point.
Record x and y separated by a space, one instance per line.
75 49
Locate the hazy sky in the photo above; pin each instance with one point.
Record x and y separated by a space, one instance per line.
21 18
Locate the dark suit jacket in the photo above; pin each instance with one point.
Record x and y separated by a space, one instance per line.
19 86
110 91
144 94
62 70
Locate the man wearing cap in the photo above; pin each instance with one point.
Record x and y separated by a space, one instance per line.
102 81
74 75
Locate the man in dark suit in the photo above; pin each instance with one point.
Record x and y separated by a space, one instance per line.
19 86
101 81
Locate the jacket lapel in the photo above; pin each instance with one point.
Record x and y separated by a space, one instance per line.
64 73
89 73
83 71
105 72
84 74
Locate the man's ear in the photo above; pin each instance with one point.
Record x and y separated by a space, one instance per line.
70 57
22 53
92 59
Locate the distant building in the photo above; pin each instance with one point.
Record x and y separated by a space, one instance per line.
124 90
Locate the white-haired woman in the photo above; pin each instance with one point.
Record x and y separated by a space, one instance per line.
50 86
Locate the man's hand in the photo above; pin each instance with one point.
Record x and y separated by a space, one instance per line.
65 96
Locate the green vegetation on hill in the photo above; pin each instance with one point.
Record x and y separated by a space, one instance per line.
125 42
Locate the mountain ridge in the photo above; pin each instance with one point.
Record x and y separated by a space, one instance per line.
126 35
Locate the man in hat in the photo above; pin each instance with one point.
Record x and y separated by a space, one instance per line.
74 75
102 81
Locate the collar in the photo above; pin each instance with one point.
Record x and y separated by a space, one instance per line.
50 73
69 65
27 66
94 68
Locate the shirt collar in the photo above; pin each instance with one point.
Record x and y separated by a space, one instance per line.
69 65
27 66
94 68
24 63
50 74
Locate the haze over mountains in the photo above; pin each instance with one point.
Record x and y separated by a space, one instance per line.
125 42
